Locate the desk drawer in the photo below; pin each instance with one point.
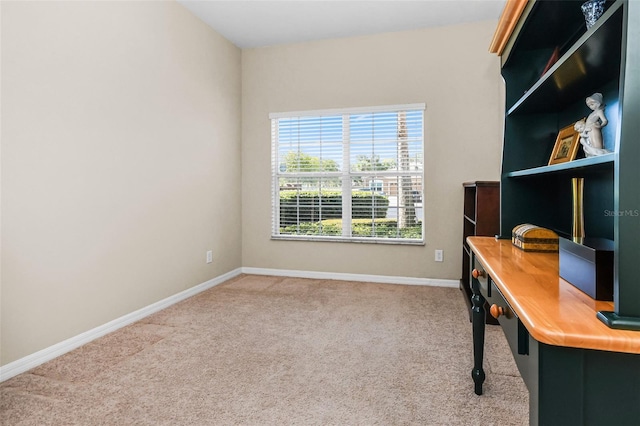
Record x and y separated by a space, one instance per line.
481 275
515 332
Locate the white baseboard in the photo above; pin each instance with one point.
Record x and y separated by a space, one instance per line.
384 279
31 361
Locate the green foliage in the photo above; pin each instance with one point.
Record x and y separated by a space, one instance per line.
295 162
313 206
301 162
362 205
378 228
369 163
312 228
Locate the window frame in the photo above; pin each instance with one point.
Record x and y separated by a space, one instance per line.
346 174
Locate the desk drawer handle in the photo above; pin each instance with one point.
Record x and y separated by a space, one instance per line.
496 311
477 273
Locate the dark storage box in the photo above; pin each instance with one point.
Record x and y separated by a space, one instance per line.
588 266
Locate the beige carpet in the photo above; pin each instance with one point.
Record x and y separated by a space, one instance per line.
280 351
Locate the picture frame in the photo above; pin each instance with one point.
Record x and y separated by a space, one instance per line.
566 146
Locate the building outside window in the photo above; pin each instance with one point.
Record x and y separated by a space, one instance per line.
353 174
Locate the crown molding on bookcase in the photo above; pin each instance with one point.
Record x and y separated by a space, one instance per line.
507 23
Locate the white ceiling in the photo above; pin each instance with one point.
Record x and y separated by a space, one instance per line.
259 23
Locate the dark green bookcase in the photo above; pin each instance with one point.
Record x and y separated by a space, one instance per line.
605 59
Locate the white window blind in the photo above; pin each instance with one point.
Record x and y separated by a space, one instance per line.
353 175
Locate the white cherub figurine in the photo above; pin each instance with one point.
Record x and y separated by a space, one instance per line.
595 121
589 150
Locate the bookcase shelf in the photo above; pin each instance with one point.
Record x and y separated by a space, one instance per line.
543 97
576 167
587 65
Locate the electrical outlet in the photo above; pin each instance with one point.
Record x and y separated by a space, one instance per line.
209 256
439 255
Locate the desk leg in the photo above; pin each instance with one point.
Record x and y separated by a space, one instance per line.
478 318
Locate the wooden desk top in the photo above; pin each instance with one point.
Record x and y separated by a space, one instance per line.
553 311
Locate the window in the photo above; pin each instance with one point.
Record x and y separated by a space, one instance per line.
349 175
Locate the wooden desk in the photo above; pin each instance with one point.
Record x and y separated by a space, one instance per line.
577 370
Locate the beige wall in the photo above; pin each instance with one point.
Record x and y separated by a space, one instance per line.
120 163
448 68
121 154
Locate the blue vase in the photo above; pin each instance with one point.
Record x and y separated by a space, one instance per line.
592 10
